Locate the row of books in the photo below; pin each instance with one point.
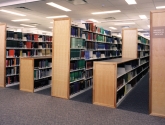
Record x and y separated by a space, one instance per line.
76 75
101 46
42 83
77 64
12 79
143 48
93 28
125 90
98 37
12 71
28 36
143 54
89 73
14 35
89 64
21 44
101 54
77 43
80 85
42 63
12 62
29 53
38 74
76 32
144 60
143 40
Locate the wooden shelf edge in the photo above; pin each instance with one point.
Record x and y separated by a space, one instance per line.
101 104
159 115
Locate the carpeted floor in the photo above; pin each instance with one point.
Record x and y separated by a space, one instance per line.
22 108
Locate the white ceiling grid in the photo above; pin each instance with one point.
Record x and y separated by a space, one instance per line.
40 10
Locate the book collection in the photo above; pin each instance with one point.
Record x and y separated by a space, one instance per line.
143 47
42 69
87 45
20 44
128 75
42 83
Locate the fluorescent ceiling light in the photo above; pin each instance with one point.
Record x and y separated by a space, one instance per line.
62 16
58 6
14 2
105 12
148 26
123 23
160 7
113 28
27 25
20 20
51 22
51 27
140 29
11 12
143 16
130 2
93 20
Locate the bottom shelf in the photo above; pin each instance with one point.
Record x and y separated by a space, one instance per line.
80 92
13 84
42 88
119 102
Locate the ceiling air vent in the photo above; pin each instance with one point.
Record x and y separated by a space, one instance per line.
23 8
110 18
77 2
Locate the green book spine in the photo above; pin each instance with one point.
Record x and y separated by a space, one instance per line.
73 43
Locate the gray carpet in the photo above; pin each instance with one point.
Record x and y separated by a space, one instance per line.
138 99
22 108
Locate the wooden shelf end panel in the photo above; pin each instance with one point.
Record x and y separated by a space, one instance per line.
104 86
157 59
3 55
27 75
61 58
129 47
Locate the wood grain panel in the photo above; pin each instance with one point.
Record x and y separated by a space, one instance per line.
27 75
129 45
157 73
61 58
104 87
3 55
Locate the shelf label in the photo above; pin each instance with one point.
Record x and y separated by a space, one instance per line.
158 32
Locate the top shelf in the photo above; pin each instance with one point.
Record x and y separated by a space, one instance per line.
28 40
96 33
119 60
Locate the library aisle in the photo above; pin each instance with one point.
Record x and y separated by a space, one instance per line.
37 109
136 101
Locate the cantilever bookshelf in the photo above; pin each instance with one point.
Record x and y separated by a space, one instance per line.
74 50
114 79
135 45
121 75
35 73
16 44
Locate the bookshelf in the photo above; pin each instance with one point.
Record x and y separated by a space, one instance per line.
157 72
114 79
18 44
35 73
135 45
74 50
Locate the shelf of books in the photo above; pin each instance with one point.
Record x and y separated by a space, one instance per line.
20 44
35 73
135 45
83 45
115 78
